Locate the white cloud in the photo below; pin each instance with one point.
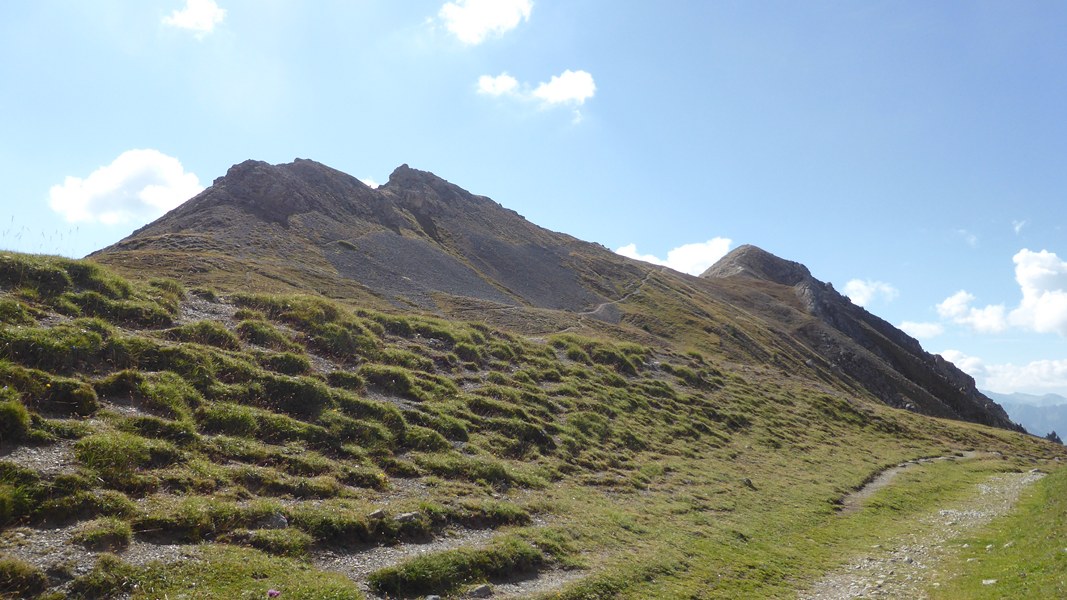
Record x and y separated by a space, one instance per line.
1037 377
970 365
497 86
958 309
369 182
570 87
200 16
688 258
922 331
472 21
1017 226
863 292
1042 278
139 185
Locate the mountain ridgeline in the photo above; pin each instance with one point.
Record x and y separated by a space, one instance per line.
419 243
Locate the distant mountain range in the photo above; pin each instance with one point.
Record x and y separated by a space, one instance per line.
419 243
1038 414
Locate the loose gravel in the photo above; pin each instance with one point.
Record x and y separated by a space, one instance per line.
905 567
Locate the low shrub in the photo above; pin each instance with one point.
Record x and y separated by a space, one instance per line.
346 380
13 312
390 380
285 363
106 533
118 452
14 418
38 273
109 578
20 579
422 438
231 419
446 572
281 542
60 349
209 333
262 333
82 503
180 432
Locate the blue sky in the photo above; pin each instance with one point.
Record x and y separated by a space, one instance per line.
912 153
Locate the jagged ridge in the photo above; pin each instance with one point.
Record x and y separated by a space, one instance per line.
422 242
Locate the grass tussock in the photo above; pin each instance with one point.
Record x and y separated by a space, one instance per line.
447 572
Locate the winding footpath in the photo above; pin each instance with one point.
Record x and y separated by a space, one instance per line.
907 566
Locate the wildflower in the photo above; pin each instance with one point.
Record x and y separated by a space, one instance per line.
273 593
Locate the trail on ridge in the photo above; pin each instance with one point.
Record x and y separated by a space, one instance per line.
907 565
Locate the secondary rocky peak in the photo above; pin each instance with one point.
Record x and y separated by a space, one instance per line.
406 179
756 263
276 192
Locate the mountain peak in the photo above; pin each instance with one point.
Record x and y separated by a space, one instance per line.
424 187
756 263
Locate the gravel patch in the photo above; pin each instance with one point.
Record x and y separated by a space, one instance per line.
906 566
48 461
194 308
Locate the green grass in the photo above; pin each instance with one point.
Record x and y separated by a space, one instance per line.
446 572
219 573
628 461
1025 552
110 533
19 579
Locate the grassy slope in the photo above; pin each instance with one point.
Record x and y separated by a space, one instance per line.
193 418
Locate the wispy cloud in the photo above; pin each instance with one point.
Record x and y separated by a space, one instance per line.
1036 377
473 21
864 292
497 86
922 330
198 16
968 237
688 258
139 185
1017 226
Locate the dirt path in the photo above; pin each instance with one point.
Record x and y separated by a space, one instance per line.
629 295
855 500
906 566
603 306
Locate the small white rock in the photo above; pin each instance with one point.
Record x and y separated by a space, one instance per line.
988 581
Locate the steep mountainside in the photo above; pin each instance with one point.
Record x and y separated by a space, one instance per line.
413 239
420 242
889 363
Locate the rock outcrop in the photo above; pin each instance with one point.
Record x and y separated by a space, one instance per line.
883 359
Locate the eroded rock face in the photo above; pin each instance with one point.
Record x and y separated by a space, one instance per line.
883 359
416 236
